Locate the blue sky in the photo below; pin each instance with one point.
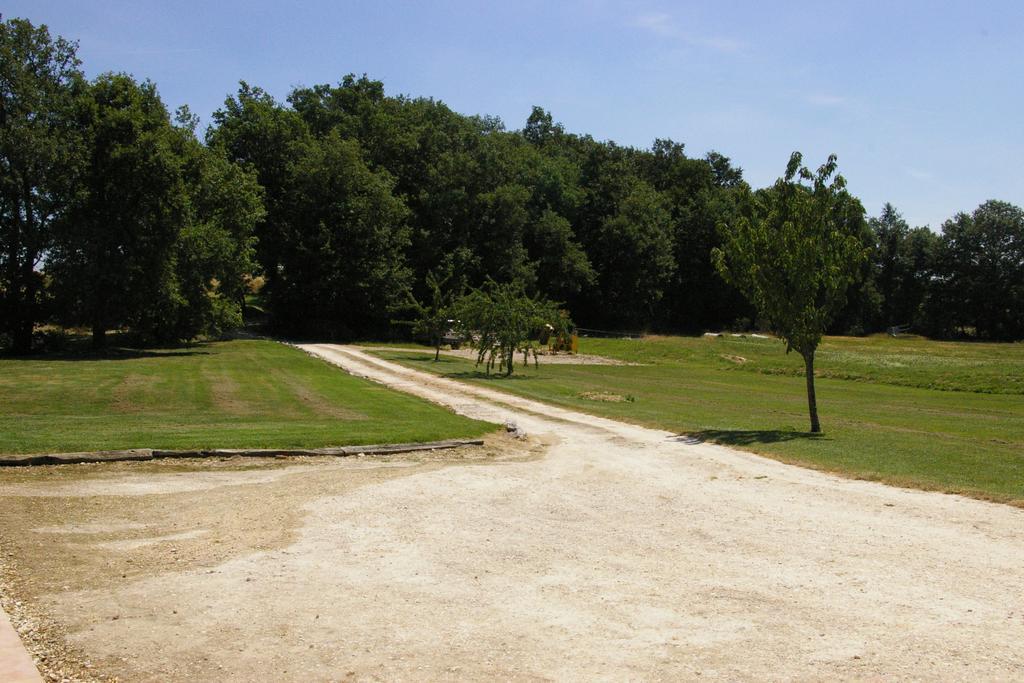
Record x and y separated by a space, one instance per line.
922 101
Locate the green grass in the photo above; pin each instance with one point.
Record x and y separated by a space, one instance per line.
910 412
239 394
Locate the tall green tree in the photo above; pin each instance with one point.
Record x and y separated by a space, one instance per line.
40 156
214 249
902 262
112 260
563 269
794 254
700 193
634 255
342 260
258 133
981 267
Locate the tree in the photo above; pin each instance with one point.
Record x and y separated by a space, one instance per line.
541 127
562 266
794 254
501 321
113 258
726 175
634 255
861 312
40 155
981 268
214 249
434 317
342 262
700 193
160 235
903 259
256 132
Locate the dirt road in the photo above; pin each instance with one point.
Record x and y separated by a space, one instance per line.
619 553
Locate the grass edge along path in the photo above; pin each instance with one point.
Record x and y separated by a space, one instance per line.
234 394
876 428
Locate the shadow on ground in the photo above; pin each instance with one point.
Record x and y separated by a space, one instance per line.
745 437
480 374
117 353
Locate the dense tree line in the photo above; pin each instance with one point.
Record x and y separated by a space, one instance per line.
112 216
342 199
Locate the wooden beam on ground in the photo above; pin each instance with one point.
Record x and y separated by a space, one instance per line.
155 454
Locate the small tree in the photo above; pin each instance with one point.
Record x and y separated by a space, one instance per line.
793 253
501 320
434 318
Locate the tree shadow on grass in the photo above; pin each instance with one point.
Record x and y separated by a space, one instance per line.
411 357
480 374
75 353
746 437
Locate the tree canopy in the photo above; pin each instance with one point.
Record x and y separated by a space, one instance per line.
41 150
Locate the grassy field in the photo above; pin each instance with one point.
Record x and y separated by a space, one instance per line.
910 412
244 394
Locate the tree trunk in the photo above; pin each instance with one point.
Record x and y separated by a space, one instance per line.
21 337
99 336
22 291
437 352
812 401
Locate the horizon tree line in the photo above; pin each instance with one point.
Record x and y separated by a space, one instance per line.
117 215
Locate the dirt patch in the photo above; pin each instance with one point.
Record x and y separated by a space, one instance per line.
319 404
545 357
605 397
127 392
227 395
99 528
739 360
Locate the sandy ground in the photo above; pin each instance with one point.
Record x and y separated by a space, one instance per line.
545 357
618 553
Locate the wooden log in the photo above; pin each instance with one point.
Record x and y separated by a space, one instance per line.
141 454
74 458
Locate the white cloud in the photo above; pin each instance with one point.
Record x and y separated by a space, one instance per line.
662 24
657 22
721 44
918 174
824 100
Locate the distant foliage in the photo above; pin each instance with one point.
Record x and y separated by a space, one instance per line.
342 199
601 227
979 284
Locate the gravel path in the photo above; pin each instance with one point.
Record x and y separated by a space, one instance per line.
627 553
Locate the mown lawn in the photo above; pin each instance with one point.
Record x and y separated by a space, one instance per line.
238 394
910 412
